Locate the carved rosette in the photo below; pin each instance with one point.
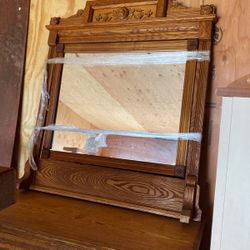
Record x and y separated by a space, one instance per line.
55 20
208 9
124 13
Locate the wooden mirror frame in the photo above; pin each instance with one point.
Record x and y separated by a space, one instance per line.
110 26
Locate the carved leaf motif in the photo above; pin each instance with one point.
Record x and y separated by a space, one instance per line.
124 13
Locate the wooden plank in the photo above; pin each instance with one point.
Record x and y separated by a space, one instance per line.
7 187
163 169
145 192
42 221
13 34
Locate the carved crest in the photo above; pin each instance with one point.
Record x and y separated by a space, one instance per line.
124 13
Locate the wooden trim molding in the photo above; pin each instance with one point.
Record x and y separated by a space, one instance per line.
238 88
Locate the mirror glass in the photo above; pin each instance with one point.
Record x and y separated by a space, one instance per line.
123 103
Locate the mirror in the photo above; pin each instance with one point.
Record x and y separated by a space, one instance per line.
131 96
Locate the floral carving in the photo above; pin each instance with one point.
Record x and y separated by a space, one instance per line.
124 13
208 9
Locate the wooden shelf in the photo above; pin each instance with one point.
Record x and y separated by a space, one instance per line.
43 221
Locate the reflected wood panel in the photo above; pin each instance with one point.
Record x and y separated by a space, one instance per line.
139 98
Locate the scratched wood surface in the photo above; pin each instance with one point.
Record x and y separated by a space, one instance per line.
13 37
38 221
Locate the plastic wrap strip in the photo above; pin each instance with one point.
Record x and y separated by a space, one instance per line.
97 138
136 58
94 132
40 120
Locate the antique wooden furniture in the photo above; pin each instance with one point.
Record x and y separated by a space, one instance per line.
13 35
129 26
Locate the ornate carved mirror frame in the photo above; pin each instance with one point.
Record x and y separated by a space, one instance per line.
129 25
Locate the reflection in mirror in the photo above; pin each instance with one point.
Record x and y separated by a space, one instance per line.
141 97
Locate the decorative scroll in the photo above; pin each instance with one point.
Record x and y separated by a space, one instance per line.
124 13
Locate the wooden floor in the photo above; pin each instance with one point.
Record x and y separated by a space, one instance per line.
41 221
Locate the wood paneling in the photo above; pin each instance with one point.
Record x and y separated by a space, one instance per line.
14 17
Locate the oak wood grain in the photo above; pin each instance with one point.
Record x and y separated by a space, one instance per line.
147 167
42 221
162 195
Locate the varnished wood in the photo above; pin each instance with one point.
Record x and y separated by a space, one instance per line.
7 187
148 192
163 169
189 24
13 36
125 46
42 221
